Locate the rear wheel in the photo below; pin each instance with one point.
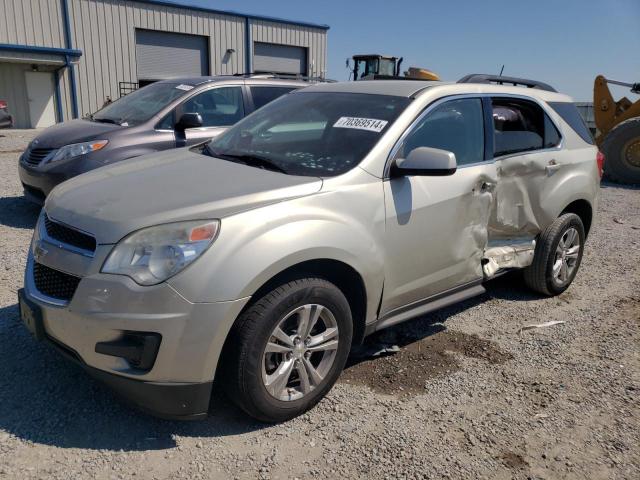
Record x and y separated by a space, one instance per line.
287 349
621 148
557 256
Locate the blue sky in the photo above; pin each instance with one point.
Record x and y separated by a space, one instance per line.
563 42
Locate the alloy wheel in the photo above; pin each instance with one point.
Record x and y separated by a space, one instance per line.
300 352
566 257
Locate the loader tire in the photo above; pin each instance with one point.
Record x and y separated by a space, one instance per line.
621 149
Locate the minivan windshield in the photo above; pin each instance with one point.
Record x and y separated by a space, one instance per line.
141 105
310 133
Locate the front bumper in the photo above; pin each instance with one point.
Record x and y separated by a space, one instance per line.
106 307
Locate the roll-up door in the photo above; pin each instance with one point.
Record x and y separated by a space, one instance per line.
272 58
161 55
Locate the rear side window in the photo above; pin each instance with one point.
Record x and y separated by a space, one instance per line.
551 134
569 113
455 126
521 126
263 94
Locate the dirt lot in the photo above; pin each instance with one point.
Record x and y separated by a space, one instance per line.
466 396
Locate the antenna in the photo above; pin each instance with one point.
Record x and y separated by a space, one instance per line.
501 70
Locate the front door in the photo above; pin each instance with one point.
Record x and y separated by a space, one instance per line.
219 107
436 226
40 98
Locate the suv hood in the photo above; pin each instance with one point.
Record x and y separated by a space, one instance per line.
115 200
73 131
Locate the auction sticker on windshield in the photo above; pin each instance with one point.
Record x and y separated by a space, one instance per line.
184 87
359 123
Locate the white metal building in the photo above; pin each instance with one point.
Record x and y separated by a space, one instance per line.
61 59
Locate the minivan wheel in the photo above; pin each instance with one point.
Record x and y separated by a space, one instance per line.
287 349
557 256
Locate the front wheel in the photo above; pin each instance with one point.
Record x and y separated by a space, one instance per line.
557 256
287 349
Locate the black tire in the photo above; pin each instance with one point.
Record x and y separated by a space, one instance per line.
619 148
539 275
244 350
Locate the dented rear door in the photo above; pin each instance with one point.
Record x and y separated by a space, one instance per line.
524 195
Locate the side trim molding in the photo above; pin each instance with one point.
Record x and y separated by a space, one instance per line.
428 305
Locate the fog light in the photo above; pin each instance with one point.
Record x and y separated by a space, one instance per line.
139 349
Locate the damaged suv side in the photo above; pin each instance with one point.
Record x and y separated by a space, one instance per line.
261 257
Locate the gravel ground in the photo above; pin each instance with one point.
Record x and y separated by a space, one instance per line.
466 396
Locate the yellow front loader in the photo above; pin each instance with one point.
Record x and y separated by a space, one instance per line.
618 124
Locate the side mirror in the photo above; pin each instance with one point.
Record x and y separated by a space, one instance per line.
425 161
188 120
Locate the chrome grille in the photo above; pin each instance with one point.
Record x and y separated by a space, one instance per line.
69 235
53 283
34 156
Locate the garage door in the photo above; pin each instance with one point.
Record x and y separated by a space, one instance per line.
161 55
272 58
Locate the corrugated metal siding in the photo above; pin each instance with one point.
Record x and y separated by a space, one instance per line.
31 22
315 39
105 32
64 88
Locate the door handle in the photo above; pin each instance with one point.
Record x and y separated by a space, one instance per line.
487 187
552 167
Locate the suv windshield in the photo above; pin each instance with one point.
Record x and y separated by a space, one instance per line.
310 133
141 105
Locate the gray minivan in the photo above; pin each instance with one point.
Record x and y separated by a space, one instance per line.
166 114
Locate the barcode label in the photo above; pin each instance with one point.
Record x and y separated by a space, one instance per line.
359 123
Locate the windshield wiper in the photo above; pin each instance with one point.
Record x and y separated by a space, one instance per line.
252 160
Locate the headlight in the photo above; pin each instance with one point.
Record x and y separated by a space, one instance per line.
77 149
152 255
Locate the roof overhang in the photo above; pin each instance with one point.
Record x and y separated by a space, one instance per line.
63 52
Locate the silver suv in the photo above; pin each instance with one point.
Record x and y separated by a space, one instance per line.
261 257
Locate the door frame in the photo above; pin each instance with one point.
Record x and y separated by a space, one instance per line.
50 76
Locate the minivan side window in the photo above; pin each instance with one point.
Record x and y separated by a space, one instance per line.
218 107
264 94
521 126
456 126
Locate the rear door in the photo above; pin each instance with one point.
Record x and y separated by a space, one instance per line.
220 108
436 226
529 163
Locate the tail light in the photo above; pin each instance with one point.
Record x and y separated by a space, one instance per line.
3 104
600 161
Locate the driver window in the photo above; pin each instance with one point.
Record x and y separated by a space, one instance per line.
218 107
456 126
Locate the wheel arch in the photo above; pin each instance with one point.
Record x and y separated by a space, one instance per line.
583 209
341 274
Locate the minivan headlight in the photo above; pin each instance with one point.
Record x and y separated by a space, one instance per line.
78 149
154 254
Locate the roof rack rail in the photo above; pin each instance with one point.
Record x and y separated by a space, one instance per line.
284 76
500 80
